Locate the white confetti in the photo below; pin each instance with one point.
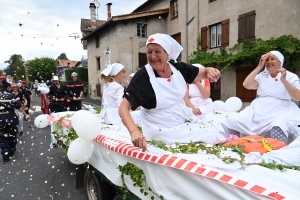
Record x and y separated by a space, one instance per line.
41 154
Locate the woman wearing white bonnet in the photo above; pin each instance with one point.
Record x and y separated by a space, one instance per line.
273 113
113 76
159 88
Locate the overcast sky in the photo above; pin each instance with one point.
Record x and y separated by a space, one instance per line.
47 25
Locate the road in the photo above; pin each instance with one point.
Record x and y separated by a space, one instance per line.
37 172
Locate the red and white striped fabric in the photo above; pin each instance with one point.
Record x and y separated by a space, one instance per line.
65 122
183 164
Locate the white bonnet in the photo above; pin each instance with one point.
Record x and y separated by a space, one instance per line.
112 69
279 56
171 46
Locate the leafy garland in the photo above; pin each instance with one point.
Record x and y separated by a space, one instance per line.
249 52
193 148
137 175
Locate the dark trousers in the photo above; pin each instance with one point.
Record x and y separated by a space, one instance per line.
75 105
8 132
59 107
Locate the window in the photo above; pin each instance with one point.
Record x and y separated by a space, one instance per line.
246 26
210 1
142 59
215 36
177 37
97 41
141 29
244 94
219 35
98 62
174 9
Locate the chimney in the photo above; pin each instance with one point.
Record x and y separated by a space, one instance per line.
109 11
93 15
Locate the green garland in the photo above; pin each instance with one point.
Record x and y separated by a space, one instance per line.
194 148
249 52
137 175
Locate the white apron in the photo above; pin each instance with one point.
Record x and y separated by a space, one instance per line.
272 108
172 121
112 96
205 105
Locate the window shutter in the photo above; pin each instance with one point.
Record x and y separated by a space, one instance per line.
225 32
251 24
244 94
204 38
242 27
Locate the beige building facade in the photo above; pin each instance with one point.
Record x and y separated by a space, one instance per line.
216 22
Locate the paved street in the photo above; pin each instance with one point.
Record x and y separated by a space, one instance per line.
37 172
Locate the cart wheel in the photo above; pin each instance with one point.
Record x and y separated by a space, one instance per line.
97 189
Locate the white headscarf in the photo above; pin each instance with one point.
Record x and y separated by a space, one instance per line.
280 58
171 46
112 69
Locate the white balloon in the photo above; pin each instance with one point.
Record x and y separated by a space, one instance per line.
80 151
86 125
233 104
219 105
41 121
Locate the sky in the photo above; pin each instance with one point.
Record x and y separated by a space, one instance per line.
37 29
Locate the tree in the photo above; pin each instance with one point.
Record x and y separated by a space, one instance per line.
16 67
62 56
41 68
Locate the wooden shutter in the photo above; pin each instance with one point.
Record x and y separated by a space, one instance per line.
244 94
246 25
225 32
204 38
251 24
177 37
142 59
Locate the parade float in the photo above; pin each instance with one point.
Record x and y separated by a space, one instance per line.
112 165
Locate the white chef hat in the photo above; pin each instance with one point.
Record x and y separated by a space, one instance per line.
279 56
171 46
112 69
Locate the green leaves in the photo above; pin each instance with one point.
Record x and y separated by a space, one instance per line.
249 52
137 176
41 68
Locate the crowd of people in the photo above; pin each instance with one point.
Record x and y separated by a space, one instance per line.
15 103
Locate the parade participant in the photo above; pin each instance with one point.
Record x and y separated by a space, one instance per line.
20 112
43 84
35 87
113 76
159 88
272 113
27 93
2 80
76 91
198 95
8 123
59 94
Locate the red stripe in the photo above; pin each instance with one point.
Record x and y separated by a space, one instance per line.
162 159
153 159
119 147
225 178
200 170
141 155
257 189
180 163
276 196
190 166
212 174
126 149
240 183
147 157
134 154
130 151
171 161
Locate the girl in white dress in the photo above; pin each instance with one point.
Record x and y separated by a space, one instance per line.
273 113
113 76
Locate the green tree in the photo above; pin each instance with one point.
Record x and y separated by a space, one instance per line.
15 67
62 56
41 68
